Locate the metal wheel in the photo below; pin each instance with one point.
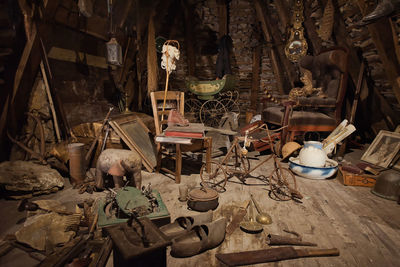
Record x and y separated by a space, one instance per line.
283 184
211 112
231 105
216 178
239 167
192 107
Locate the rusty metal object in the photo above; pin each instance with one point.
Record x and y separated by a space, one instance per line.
89 153
203 199
285 240
271 255
76 163
42 154
235 163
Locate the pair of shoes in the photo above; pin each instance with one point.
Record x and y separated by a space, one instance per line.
176 118
199 239
182 225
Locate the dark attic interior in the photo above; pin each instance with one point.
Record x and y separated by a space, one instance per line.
199 133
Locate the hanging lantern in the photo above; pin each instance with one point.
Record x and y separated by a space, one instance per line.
114 52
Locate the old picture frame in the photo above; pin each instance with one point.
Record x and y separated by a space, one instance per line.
383 149
136 136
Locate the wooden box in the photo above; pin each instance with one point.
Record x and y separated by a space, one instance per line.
348 178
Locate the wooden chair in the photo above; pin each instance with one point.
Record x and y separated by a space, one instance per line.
315 114
175 100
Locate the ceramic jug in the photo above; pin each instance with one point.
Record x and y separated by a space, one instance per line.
312 154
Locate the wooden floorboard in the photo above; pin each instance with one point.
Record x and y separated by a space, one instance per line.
364 227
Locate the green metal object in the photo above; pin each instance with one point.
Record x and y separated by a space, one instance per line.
206 90
128 199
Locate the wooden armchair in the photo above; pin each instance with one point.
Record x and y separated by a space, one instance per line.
314 113
175 100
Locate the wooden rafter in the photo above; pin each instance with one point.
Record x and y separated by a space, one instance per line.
382 37
343 39
189 37
268 38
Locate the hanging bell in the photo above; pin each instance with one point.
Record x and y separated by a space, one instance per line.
114 52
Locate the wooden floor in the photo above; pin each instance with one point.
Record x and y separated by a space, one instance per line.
364 227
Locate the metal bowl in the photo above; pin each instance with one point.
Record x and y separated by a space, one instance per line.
317 173
387 185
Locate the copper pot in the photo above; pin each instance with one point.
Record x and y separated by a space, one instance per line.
203 199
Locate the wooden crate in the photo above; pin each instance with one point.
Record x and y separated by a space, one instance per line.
348 178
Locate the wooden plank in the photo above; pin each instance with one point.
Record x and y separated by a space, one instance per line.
343 39
96 26
189 38
25 76
267 35
152 68
283 12
222 18
59 53
382 36
289 69
136 140
256 76
309 25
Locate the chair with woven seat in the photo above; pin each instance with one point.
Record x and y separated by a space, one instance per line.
174 100
314 113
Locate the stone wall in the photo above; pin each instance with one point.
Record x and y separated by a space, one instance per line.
245 34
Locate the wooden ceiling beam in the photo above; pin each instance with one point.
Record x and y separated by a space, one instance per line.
276 66
381 34
343 39
96 26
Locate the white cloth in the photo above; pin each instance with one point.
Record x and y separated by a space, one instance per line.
170 56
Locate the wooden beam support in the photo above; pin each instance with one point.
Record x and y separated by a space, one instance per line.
343 39
267 35
222 18
283 12
189 38
70 56
96 26
382 36
309 25
25 76
152 68
256 77
289 69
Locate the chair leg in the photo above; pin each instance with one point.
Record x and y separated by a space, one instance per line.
159 158
178 164
208 142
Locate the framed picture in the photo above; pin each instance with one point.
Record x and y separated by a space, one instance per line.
383 149
136 136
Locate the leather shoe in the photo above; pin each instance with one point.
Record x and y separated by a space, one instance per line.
182 224
199 239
